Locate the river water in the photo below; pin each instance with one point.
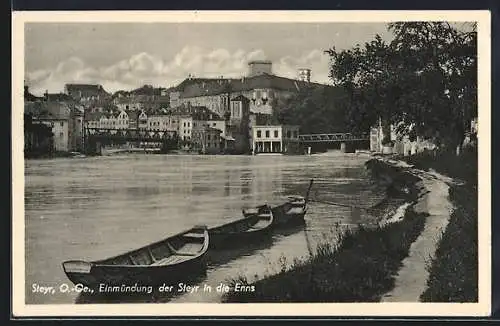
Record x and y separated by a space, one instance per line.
96 207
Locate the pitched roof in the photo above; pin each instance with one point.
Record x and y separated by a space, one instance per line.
240 98
96 88
201 113
205 87
61 97
32 108
92 116
207 128
132 114
30 97
54 110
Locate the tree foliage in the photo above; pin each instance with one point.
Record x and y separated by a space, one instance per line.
423 81
315 108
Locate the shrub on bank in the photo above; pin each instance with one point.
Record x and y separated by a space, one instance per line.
453 274
361 268
464 166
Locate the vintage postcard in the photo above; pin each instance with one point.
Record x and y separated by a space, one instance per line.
251 163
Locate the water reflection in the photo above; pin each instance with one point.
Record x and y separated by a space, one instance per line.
99 207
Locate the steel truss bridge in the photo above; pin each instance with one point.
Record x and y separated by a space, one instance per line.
333 138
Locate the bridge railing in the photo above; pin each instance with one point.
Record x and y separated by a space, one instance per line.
129 133
333 137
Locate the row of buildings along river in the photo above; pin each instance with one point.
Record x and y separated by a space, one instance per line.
208 114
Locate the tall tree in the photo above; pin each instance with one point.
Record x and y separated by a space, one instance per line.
424 80
316 109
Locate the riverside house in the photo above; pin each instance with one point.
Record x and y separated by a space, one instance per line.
274 138
56 116
207 140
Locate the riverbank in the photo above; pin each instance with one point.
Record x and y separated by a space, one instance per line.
426 251
453 273
363 264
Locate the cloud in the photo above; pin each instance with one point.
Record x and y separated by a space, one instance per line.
145 68
315 60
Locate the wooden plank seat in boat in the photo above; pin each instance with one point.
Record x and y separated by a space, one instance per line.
296 210
194 235
180 255
174 259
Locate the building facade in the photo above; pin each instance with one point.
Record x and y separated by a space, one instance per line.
206 140
86 92
274 138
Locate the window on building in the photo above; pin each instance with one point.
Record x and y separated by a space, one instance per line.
259 134
184 123
267 133
214 124
296 134
276 134
61 134
62 124
288 134
208 137
189 124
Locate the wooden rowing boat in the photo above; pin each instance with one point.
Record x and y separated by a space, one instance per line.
251 227
167 260
291 212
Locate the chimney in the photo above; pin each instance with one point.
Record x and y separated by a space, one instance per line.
46 95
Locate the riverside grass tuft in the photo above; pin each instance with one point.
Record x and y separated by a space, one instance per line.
361 268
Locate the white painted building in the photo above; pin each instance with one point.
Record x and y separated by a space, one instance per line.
185 127
273 138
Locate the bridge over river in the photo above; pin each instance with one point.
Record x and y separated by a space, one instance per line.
96 138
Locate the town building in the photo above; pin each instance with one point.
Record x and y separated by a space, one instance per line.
38 138
147 98
261 86
86 92
388 141
75 129
56 116
206 140
185 127
274 139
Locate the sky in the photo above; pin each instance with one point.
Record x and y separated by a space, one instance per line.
129 55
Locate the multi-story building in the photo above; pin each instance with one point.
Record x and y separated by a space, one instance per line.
274 139
147 98
57 116
185 127
86 92
117 120
261 86
206 139
163 121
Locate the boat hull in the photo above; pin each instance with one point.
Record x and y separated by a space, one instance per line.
101 276
284 218
232 240
253 227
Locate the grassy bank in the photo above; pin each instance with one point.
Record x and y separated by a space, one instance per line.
361 268
454 271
